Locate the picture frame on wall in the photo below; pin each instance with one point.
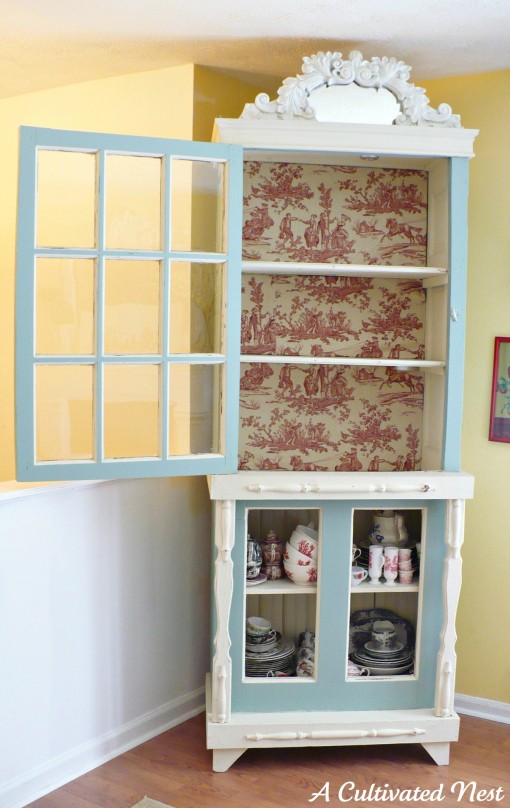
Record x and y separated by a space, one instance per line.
499 429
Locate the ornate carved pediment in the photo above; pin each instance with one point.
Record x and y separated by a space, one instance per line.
354 90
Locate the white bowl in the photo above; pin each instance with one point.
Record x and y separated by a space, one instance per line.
295 557
308 531
303 576
303 542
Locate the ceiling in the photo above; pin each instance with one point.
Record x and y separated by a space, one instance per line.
48 43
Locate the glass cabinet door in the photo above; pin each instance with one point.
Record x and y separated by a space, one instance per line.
128 257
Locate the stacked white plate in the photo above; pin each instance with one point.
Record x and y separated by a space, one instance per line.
279 658
392 661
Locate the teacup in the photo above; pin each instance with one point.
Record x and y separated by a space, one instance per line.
258 639
358 574
257 626
405 565
383 633
405 576
356 552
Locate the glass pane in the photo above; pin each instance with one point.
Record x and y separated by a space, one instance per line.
64 301
195 307
131 307
197 189
386 552
284 547
64 412
131 408
66 199
194 409
133 202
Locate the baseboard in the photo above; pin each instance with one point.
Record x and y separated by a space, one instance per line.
483 708
60 770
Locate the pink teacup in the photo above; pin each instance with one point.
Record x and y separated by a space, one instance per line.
358 574
405 576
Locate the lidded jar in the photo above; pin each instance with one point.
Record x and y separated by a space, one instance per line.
272 550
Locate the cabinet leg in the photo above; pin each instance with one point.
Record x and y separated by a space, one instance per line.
224 758
439 752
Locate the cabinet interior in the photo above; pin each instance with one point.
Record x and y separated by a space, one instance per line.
344 370
292 609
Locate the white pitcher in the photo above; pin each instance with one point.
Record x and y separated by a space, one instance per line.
388 528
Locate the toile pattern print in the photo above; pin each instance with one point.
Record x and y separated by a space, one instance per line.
320 417
339 214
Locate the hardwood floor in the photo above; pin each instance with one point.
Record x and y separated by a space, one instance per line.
175 768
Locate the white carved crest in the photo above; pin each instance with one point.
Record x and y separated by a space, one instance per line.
325 70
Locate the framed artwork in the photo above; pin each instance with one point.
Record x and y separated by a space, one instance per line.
500 403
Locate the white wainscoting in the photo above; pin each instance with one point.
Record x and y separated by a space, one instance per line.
104 623
483 708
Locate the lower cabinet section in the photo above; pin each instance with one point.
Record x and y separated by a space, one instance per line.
333 624
286 729
256 731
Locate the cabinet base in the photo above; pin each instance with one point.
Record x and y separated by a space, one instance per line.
224 758
439 752
285 729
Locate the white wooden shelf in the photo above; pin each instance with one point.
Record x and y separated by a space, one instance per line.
284 359
283 586
347 270
382 588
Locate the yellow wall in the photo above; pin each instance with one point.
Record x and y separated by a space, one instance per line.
179 102
483 101
217 95
156 103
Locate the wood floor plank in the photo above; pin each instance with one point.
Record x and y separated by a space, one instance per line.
175 768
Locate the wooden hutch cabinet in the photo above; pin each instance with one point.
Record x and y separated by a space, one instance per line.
352 332
316 377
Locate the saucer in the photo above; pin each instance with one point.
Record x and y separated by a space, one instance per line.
375 648
390 671
263 647
394 660
260 579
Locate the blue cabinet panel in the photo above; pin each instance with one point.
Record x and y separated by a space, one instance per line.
330 690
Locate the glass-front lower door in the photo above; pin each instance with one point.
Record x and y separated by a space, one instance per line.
313 627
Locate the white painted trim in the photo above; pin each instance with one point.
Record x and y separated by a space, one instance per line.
23 790
483 708
311 136
12 489
303 485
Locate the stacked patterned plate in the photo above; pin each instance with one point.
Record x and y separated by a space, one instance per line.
391 661
277 659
